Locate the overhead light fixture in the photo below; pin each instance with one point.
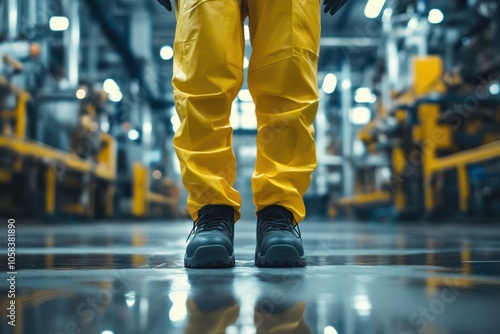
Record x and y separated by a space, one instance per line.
166 52
59 23
329 83
413 23
435 16
246 62
346 84
360 115
373 8
110 86
495 89
245 96
113 90
365 95
133 134
81 94
147 127
116 96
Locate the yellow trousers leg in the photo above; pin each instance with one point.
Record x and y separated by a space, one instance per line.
282 79
208 61
208 74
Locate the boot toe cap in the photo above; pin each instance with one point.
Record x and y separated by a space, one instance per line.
205 240
279 239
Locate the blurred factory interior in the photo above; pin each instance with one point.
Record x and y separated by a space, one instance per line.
403 209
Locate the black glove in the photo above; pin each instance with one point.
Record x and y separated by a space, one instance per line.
332 6
167 4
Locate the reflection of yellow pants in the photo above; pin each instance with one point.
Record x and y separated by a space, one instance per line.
291 321
208 74
215 322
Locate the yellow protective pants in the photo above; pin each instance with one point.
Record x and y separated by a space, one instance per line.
282 79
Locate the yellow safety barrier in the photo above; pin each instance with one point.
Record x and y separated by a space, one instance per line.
142 197
366 199
459 161
50 155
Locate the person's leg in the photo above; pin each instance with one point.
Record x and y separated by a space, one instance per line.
283 81
208 74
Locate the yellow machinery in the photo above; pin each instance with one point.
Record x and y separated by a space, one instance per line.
80 182
57 165
55 160
444 142
23 158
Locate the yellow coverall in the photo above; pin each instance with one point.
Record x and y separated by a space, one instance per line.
282 79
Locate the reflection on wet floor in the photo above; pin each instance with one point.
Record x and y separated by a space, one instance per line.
128 278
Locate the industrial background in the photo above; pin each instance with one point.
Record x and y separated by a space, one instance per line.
403 209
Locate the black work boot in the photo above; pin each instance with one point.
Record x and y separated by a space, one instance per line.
212 242
279 243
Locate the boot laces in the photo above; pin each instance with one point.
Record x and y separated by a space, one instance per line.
203 224
280 224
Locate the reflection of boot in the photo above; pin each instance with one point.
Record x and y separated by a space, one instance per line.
284 318
215 321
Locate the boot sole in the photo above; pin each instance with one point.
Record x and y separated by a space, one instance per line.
281 256
214 256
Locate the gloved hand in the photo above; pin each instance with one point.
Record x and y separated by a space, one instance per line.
332 6
167 4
